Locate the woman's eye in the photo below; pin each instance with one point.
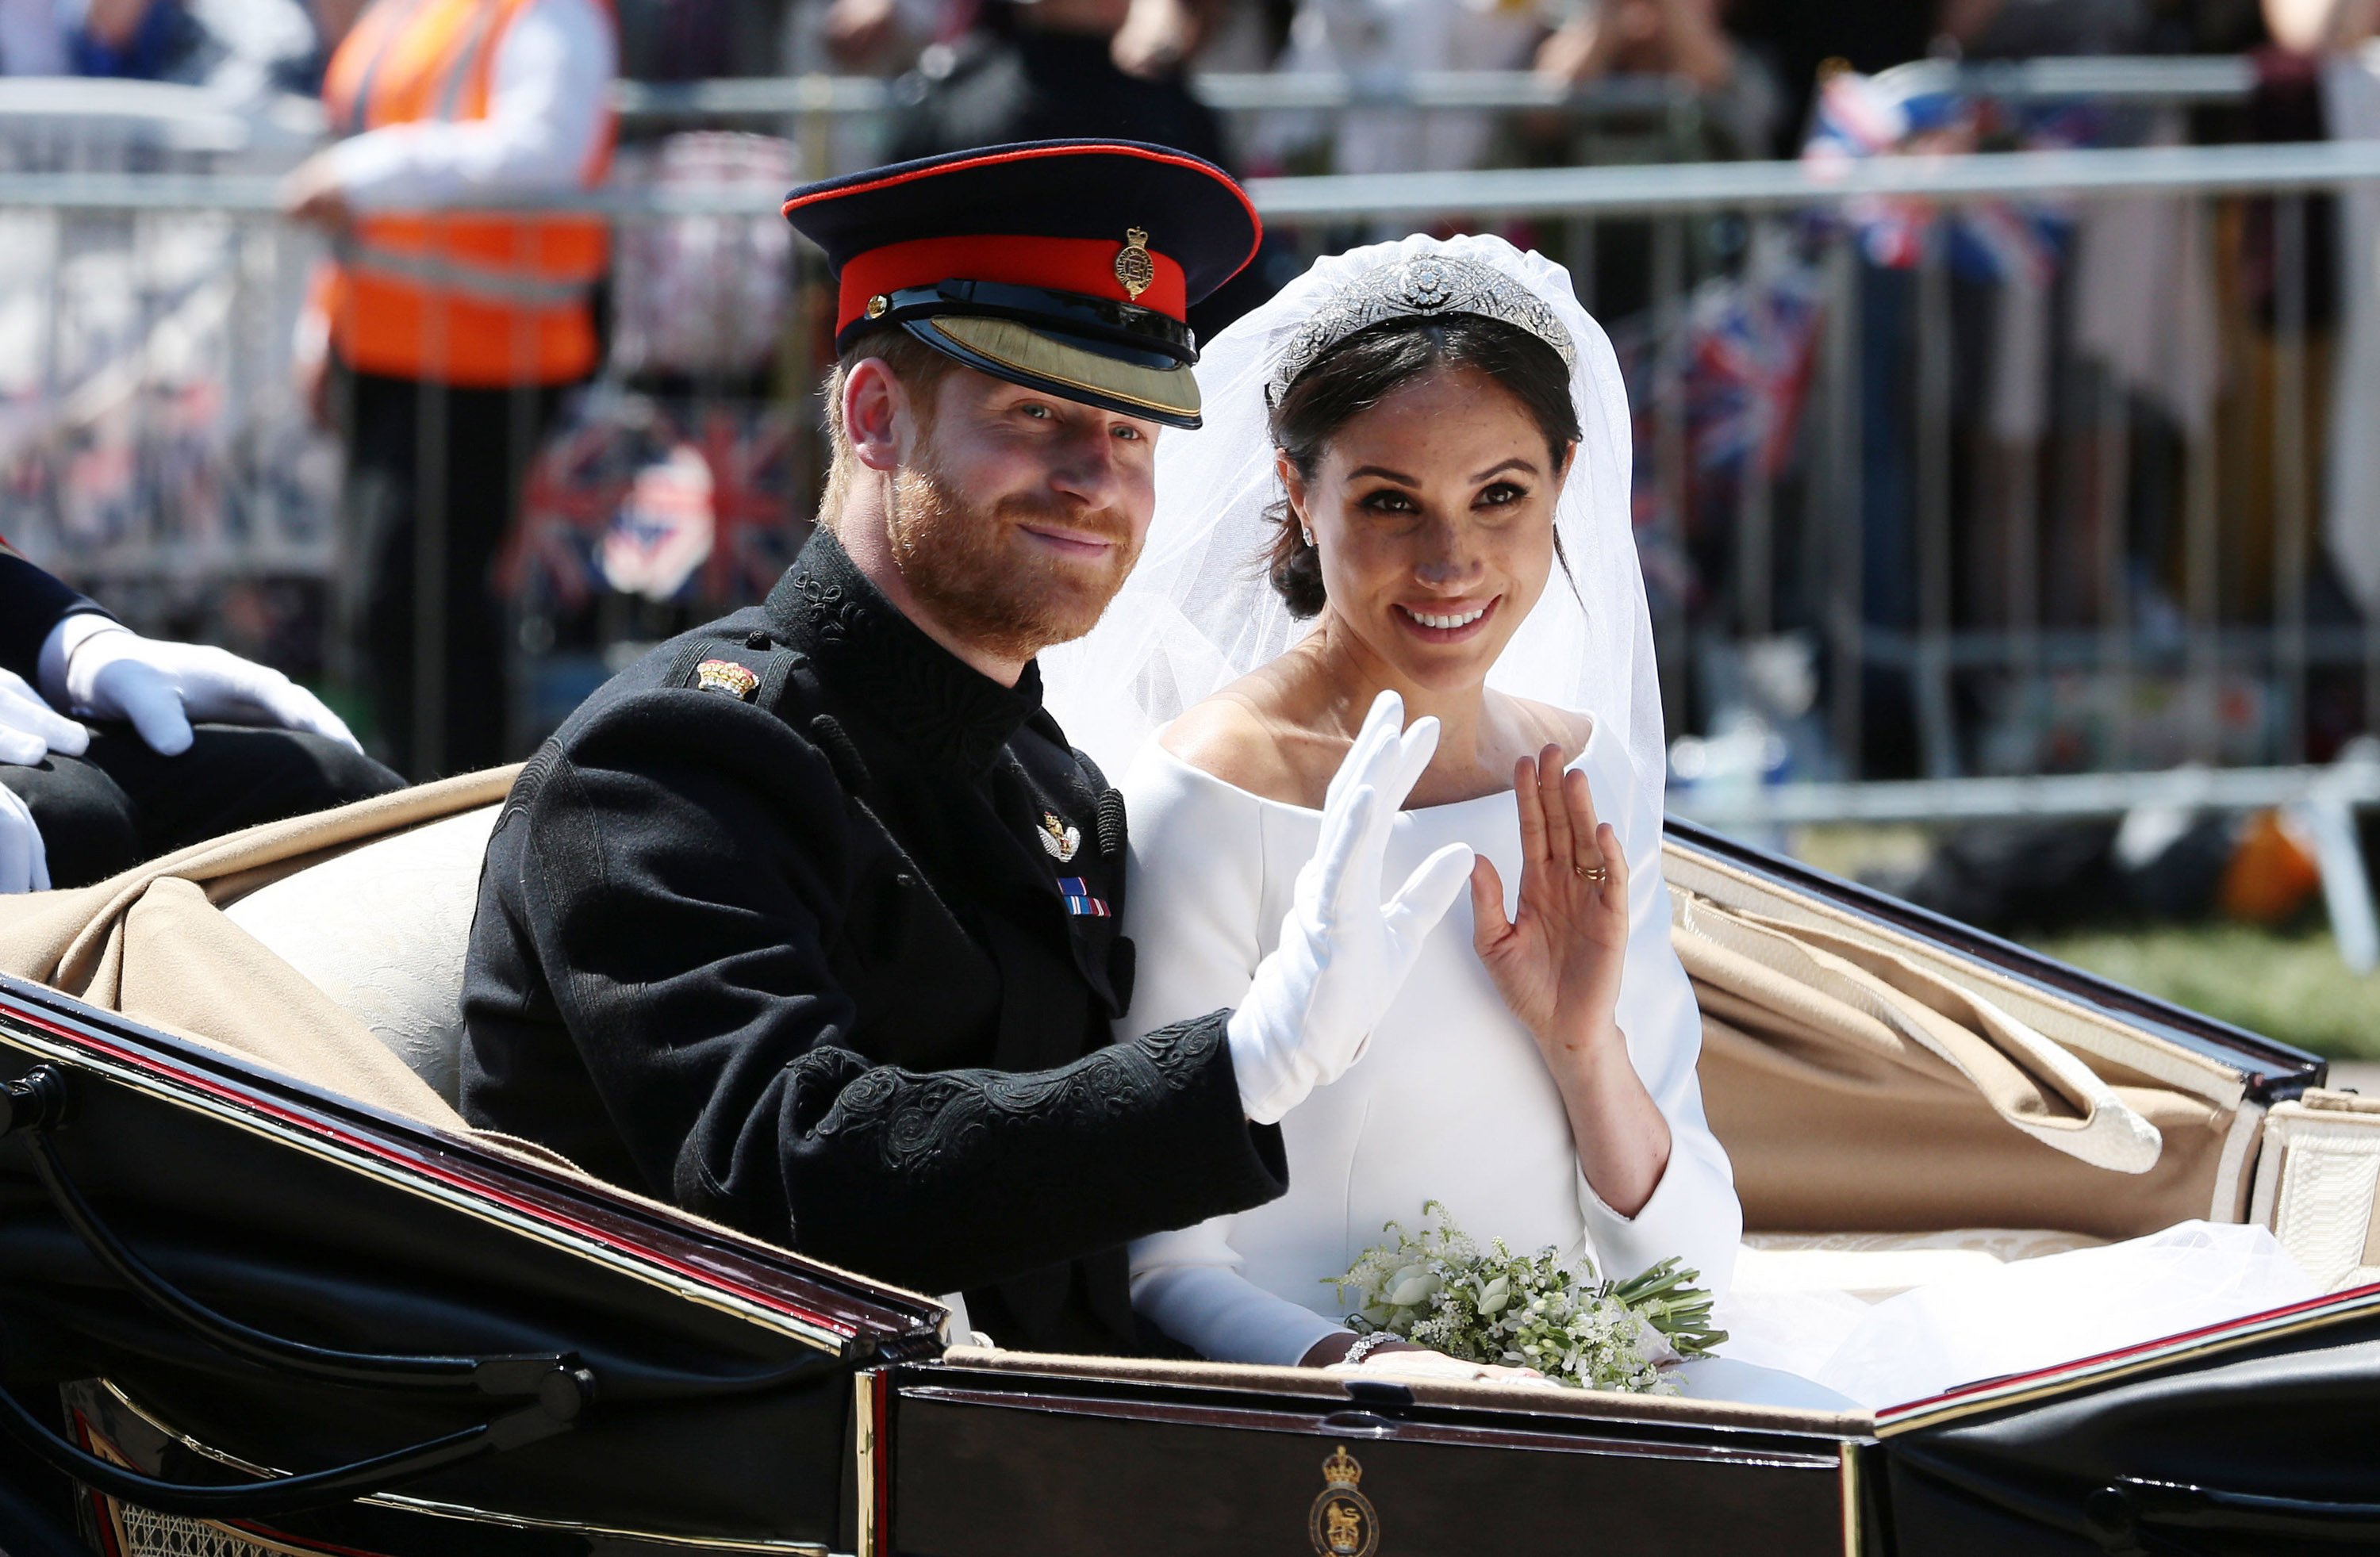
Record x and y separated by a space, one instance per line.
1389 501
1502 493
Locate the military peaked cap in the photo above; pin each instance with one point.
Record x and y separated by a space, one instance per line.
1064 265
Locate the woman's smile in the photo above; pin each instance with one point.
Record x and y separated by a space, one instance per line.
1447 624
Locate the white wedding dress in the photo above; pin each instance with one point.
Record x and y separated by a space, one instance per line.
1451 1102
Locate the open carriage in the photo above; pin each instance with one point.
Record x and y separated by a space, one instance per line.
263 1292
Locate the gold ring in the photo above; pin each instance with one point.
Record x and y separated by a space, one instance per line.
1599 874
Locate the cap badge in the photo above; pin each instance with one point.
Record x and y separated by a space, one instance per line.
879 306
1059 840
725 675
1134 267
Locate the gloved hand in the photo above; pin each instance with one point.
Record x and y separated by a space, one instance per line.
1343 953
30 729
24 860
163 688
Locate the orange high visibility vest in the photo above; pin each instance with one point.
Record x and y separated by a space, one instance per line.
477 300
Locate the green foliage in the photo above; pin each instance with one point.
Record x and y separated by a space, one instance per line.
1437 1288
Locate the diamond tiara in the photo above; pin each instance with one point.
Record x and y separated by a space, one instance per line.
1429 285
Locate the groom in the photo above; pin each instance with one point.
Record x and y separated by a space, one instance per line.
809 921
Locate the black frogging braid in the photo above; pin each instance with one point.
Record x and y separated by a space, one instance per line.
842 751
1110 824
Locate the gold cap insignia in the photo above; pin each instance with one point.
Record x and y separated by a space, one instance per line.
1343 1523
879 306
725 675
1134 267
1059 840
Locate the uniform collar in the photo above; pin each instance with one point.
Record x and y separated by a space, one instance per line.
935 701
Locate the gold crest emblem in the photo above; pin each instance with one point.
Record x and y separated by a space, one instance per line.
1059 840
1134 267
1343 1523
725 675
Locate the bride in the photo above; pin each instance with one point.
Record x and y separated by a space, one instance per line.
1412 498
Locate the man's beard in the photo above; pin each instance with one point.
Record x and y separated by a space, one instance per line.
980 579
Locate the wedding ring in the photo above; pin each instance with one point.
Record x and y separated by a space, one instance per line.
1599 874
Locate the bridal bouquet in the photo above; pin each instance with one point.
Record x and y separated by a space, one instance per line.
1439 1289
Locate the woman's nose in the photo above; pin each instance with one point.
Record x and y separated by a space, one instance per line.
1446 561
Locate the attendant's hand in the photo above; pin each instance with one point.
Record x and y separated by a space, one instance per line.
162 688
311 192
30 729
24 859
1557 962
1343 953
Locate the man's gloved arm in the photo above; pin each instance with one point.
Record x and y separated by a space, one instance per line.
33 603
97 668
1343 953
686 872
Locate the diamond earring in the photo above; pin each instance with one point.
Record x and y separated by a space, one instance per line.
1308 534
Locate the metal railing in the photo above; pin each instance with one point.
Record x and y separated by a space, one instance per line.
1925 567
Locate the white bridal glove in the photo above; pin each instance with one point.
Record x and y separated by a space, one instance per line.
1343 953
161 689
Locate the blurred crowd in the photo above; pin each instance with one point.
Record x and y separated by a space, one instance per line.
536 439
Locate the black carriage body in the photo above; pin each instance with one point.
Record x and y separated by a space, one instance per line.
742 1398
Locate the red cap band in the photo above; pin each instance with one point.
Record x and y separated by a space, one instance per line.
1086 266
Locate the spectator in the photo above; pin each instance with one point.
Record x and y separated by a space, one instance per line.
1685 39
240 46
450 338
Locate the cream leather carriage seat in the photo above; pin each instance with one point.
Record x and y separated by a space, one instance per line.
382 931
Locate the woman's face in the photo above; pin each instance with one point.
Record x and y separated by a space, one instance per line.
1434 515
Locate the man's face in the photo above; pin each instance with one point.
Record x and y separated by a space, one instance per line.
1017 515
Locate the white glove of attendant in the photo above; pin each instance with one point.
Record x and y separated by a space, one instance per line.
161 689
1343 953
24 859
30 729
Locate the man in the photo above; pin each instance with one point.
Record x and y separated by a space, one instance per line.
441 345
77 805
809 921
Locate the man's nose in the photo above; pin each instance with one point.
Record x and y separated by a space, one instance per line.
1086 469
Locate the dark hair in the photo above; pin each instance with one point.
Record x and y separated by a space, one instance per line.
1366 368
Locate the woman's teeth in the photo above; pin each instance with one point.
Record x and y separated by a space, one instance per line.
1443 621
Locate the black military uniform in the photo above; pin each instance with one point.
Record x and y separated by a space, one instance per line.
120 802
806 925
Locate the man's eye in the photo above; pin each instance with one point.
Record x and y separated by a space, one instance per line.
1035 409
1131 433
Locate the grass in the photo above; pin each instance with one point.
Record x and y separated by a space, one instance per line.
2285 984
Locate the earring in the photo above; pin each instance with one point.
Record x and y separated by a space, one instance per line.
1308 534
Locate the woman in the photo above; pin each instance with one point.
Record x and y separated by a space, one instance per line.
1412 498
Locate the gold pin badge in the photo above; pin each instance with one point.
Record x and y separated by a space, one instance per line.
725 675
1343 1523
1059 840
878 305
1133 266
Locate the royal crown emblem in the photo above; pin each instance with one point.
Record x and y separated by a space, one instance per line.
1133 266
1059 840
1343 1523
725 675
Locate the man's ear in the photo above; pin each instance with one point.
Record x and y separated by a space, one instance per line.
876 415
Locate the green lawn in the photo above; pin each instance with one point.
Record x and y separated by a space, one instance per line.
2285 986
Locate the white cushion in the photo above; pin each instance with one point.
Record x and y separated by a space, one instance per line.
382 930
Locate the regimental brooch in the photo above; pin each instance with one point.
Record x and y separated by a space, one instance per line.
1343 1523
1134 267
725 675
1059 840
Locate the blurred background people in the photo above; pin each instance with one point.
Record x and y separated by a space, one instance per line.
440 345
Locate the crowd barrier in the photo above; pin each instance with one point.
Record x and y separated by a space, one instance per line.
1950 471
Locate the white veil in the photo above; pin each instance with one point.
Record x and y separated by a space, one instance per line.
1198 612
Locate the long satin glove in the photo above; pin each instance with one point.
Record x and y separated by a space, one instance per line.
1343 953
162 688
